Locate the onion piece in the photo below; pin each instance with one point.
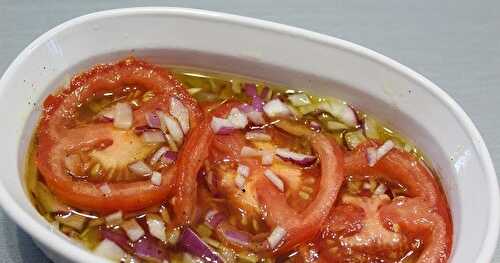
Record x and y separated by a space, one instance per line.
257 104
170 125
221 126
374 155
109 250
257 136
133 230
192 243
114 218
354 138
274 179
156 226
276 236
237 118
123 116
249 152
153 120
267 157
276 108
239 181
153 137
237 237
118 236
266 93
371 156
156 178
341 111
181 113
140 168
250 89
299 99
170 156
256 117
336 126
104 188
243 170
213 218
297 158
158 154
380 190
151 249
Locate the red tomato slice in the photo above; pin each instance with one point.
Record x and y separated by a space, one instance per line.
303 226
195 151
417 218
57 134
400 167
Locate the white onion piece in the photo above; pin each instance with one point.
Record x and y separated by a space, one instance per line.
243 170
274 179
276 108
340 111
181 113
267 157
158 154
276 236
380 190
256 117
170 125
156 178
379 153
239 181
156 226
257 136
133 230
221 126
298 158
299 99
153 136
140 168
153 120
250 152
371 156
108 249
336 126
104 188
123 116
237 118
114 218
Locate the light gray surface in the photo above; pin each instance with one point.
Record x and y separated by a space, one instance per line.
456 44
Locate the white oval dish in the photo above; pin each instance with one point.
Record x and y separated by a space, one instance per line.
277 53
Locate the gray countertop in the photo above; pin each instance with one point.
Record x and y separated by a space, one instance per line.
456 44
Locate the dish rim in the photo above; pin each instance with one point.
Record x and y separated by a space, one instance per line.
71 251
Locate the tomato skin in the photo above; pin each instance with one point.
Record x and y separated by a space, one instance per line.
303 226
57 135
195 151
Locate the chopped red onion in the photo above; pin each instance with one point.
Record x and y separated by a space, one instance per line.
181 113
257 136
170 125
153 120
156 178
237 237
239 181
274 179
117 236
123 116
341 111
154 136
315 126
245 108
140 168
221 126
158 154
266 93
297 158
276 108
257 104
142 129
151 249
114 218
104 188
267 157
371 156
213 218
237 118
276 236
250 89
192 243
133 230
170 156
380 190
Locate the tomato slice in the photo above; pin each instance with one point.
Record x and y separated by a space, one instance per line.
303 226
400 167
419 219
59 133
195 151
